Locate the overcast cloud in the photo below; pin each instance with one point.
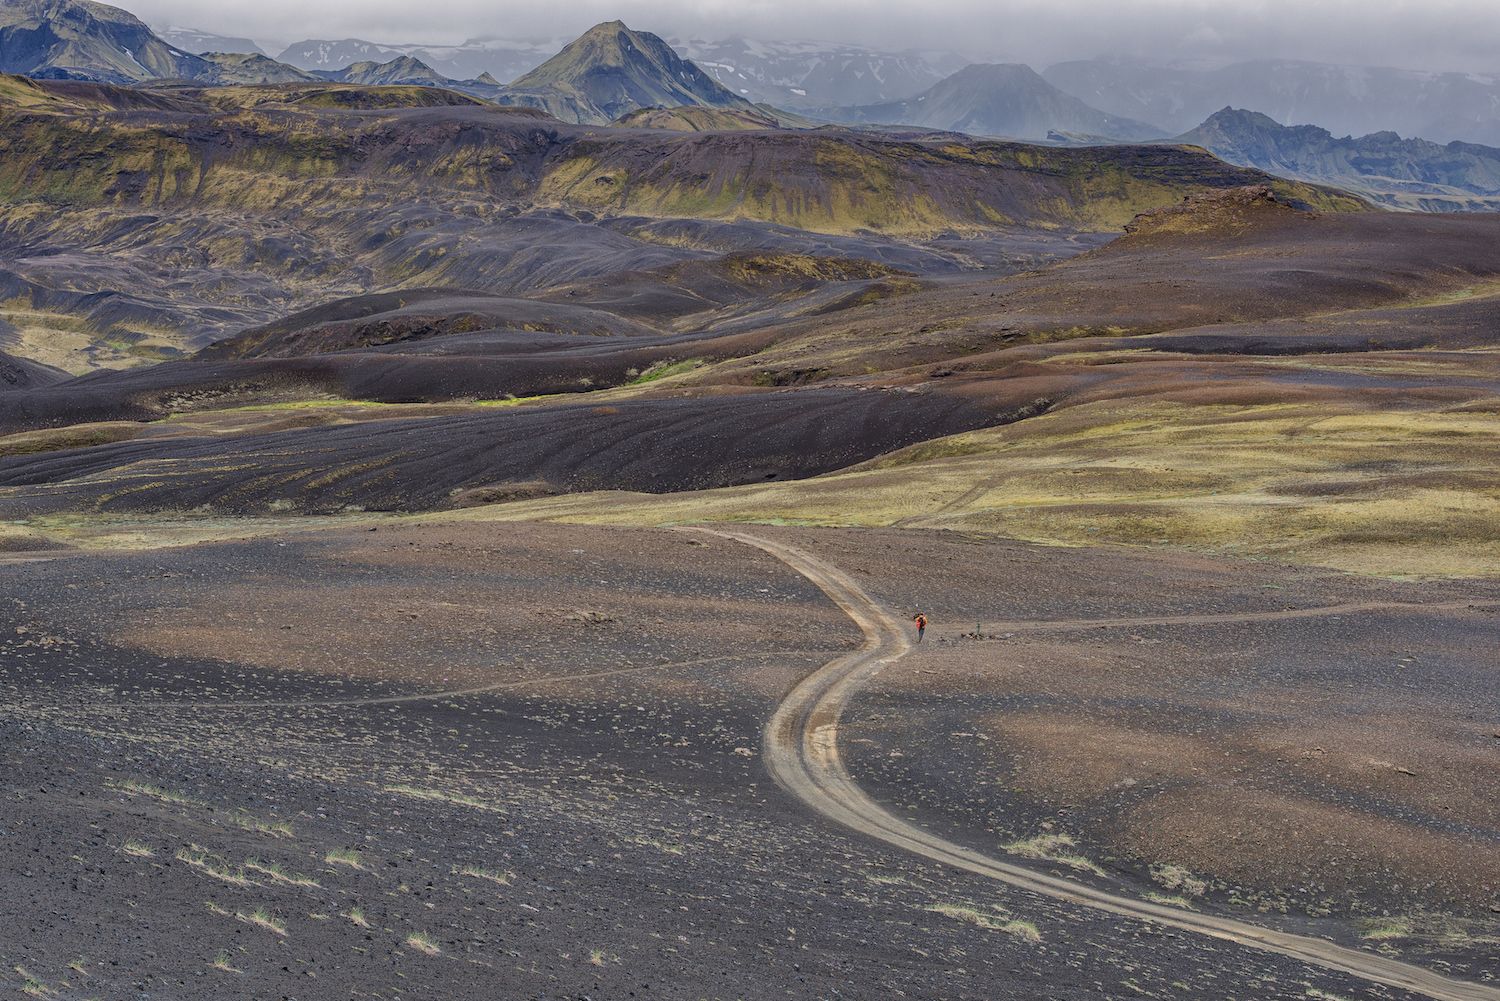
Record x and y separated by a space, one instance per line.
1459 35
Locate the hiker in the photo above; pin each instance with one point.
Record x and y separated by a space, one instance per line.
921 621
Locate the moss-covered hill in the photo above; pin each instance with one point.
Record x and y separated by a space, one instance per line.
140 223
274 149
687 118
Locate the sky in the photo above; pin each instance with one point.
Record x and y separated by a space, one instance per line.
1460 35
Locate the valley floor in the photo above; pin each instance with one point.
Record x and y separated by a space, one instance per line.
458 757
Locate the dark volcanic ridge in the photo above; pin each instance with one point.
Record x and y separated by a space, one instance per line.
652 445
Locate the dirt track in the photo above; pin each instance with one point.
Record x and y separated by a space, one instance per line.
800 748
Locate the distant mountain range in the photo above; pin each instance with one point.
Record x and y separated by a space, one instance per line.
613 74
504 61
1003 99
1345 99
1401 173
817 75
198 42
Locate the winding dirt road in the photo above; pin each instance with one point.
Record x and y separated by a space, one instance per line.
800 746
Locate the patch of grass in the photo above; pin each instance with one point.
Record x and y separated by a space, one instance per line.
1180 878
136 849
597 957
968 914
1405 493
882 879
356 915
77 436
221 962
665 370
502 877
280 873
1446 931
321 403
1053 848
133 788
345 856
32 986
1169 900
516 401
275 828
1384 929
263 918
440 796
213 865
424 943
670 847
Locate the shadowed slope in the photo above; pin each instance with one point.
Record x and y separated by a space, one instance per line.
85 40
20 373
646 445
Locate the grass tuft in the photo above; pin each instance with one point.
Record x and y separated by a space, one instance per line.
424 943
502 877
279 873
275 828
134 788
33 987
345 856
262 918
1024 930
213 865
1385 929
1181 878
136 849
670 847
1053 848
440 796
1169 900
